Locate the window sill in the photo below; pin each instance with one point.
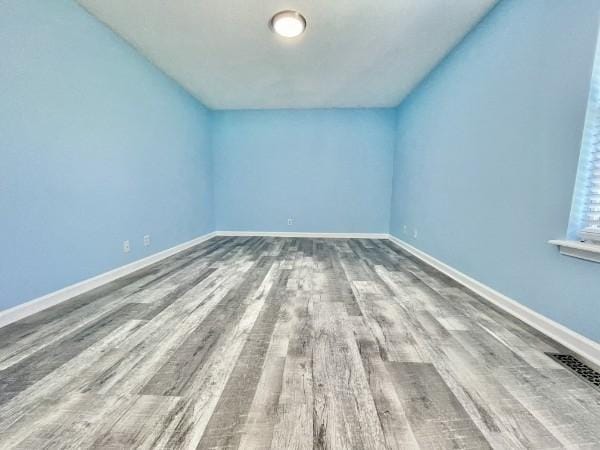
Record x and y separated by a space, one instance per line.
576 249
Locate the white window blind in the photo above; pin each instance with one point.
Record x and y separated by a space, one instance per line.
592 168
587 191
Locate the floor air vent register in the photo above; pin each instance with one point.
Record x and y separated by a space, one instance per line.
584 371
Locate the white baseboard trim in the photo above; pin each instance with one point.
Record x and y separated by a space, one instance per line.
585 347
305 235
579 344
31 307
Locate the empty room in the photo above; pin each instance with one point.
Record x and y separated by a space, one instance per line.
299 224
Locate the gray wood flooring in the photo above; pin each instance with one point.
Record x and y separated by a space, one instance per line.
260 343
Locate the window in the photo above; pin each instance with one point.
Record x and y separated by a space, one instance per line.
585 215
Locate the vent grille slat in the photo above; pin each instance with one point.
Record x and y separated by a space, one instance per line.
581 369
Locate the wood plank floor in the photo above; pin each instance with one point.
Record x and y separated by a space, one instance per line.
258 343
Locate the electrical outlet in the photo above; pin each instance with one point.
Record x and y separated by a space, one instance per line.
126 247
146 240
415 233
405 229
290 222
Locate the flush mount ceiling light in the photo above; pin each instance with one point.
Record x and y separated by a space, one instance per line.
288 24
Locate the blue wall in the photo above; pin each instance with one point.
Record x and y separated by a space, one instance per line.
487 153
330 170
96 146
